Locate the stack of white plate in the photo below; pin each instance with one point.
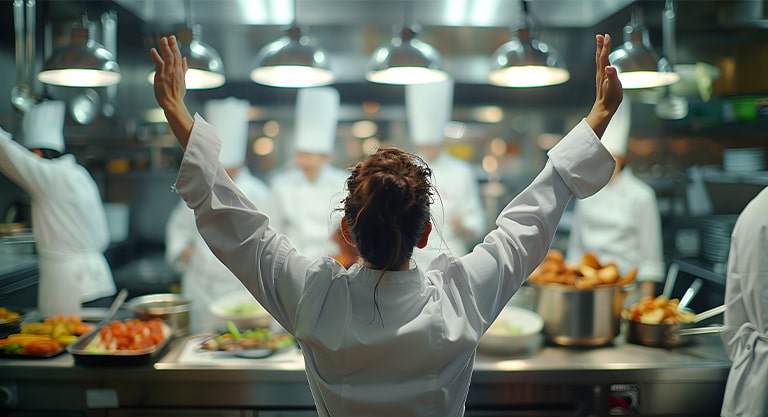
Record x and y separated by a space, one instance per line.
716 237
744 159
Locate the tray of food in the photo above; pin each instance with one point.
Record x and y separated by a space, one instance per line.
122 342
251 343
43 339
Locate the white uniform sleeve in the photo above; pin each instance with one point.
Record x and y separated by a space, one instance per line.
238 233
23 167
578 166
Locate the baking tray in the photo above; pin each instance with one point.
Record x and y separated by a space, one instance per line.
88 357
32 356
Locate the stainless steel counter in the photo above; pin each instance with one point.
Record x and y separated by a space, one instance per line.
539 380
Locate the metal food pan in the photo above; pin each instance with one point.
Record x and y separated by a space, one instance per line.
88 357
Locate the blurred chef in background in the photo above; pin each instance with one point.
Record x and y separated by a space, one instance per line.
621 223
458 215
68 219
204 279
307 195
745 335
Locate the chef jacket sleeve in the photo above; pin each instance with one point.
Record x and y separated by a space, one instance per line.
578 166
237 232
27 170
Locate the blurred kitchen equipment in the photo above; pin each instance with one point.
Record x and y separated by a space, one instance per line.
670 334
689 294
24 25
173 309
118 216
512 331
574 317
242 310
669 283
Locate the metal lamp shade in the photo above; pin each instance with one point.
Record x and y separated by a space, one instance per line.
82 63
291 62
406 60
525 63
638 64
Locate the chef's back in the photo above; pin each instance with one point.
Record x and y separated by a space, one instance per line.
68 218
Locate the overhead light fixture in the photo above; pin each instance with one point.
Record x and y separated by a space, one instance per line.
82 63
526 62
638 64
292 62
405 59
205 68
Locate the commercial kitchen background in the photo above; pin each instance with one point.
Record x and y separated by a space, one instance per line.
504 132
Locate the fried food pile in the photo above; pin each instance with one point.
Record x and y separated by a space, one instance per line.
658 310
585 274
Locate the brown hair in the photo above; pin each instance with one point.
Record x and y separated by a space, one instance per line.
387 206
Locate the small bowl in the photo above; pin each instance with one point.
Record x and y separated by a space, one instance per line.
242 310
512 331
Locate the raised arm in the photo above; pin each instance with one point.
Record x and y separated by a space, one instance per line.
609 93
170 87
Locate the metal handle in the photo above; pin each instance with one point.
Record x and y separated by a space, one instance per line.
699 330
689 293
669 284
712 312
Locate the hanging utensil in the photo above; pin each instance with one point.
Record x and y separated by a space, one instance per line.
21 96
689 294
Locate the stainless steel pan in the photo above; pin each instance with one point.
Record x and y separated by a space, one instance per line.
671 334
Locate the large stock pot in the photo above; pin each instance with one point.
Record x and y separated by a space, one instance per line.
580 317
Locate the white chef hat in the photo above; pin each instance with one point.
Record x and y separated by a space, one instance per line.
317 118
428 108
616 134
43 126
229 117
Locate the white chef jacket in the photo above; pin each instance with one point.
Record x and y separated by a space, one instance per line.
621 224
746 313
204 278
305 209
68 220
410 351
458 195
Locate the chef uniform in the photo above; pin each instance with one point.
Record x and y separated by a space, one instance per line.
68 219
621 223
304 207
429 109
204 278
746 313
418 358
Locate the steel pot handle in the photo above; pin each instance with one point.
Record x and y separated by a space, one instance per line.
698 330
709 313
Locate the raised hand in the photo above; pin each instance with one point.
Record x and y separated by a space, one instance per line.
608 90
170 87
